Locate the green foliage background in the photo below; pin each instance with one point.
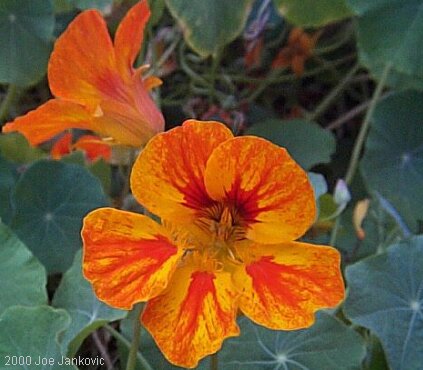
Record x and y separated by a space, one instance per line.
368 61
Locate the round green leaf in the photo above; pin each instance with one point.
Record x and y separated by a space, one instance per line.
209 25
89 4
393 158
31 334
386 296
22 275
319 347
307 142
309 13
87 313
16 148
51 199
26 28
8 177
391 30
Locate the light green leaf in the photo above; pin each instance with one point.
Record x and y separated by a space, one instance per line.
31 334
51 199
393 160
306 142
391 31
87 313
22 275
209 25
8 177
328 344
26 28
16 148
312 13
386 296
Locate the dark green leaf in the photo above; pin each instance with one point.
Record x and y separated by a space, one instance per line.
309 13
328 344
8 177
209 25
22 275
307 142
51 199
87 313
386 296
26 29
391 31
393 160
31 334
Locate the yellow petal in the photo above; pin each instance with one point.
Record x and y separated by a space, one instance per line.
271 192
127 257
193 316
167 177
283 285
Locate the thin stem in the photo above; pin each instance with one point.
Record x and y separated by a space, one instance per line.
103 351
132 357
365 126
214 361
11 94
333 95
119 337
213 71
352 167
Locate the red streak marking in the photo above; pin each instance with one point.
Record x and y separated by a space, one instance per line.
156 251
283 282
193 306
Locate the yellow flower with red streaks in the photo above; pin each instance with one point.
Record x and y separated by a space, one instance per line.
231 208
299 48
93 147
95 85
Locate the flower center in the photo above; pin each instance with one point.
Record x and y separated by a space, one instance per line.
223 223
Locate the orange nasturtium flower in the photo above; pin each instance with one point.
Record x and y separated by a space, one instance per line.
231 208
299 48
93 147
95 85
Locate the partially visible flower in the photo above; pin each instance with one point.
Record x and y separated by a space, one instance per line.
93 147
95 85
299 48
231 208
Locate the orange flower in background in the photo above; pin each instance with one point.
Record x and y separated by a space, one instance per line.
231 208
299 48
94 84
93 147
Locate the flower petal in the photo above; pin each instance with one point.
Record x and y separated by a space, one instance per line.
94 147
193 316
82 66
50 119
129 36
167 177
127 257
270 191
283 285
62 146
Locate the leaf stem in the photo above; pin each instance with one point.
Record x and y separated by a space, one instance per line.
119 337
359 143
132 357
331 97
365 126
214 361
